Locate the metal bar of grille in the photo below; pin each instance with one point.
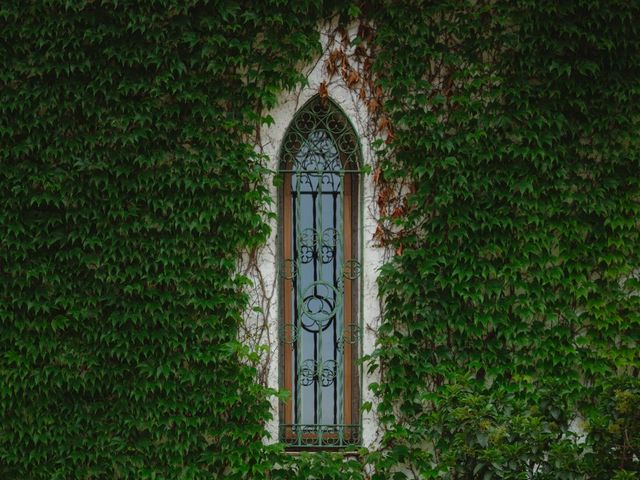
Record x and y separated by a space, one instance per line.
318 337
298 305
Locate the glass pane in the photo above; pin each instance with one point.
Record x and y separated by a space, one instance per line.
316 196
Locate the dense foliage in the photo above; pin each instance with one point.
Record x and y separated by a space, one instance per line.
515 299
129 184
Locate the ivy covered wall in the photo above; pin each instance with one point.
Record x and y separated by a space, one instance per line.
129 184
512 313
509 189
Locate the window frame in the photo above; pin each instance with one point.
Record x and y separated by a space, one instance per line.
352 305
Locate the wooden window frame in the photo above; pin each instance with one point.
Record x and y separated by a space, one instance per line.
351 310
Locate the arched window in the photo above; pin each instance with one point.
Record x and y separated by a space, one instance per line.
320 162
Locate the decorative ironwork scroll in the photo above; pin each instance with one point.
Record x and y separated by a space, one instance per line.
320 161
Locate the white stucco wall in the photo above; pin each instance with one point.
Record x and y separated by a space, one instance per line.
265 291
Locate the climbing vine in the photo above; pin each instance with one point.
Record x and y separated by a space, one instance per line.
129 185
507 183
512 311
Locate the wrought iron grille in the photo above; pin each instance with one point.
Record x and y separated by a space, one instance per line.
320 161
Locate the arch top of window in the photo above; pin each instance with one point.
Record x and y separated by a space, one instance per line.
320 121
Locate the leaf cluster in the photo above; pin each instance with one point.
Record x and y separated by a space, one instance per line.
129 184
516 149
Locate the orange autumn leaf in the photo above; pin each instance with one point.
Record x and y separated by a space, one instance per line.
322 90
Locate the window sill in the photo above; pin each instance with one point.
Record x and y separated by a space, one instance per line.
352 452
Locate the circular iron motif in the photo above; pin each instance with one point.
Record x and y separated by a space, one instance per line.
352 269
319 306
